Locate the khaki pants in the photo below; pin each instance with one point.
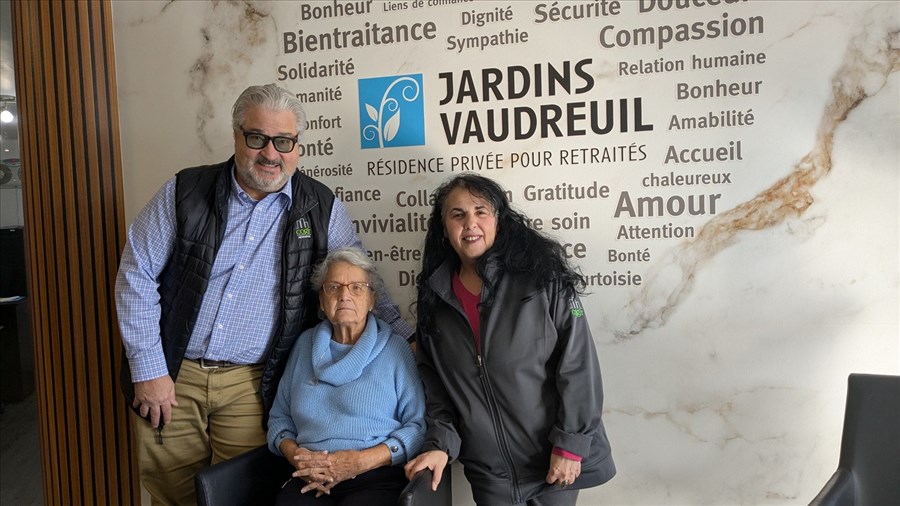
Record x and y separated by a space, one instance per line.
219 415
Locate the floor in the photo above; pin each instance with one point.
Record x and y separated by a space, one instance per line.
20 461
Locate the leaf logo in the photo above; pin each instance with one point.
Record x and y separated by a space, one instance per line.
392 111
576 308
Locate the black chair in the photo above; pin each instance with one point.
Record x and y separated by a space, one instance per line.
868 471
255 478
419 493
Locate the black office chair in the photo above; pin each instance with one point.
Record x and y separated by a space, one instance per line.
868 471
255 478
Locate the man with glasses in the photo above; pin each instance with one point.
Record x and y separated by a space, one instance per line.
214 288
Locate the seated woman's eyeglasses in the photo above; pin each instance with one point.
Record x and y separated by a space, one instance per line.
259 141
356 289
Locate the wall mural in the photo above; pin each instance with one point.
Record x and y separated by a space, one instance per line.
725 174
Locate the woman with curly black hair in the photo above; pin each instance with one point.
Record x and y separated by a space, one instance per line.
511 374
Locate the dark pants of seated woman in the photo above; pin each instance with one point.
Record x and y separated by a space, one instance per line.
378 487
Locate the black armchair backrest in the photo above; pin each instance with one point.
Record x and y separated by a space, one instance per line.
869 468
250 479
419 493
870 446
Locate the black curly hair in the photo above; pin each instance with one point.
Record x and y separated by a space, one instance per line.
517 247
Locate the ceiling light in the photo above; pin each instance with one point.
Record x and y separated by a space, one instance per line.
5 115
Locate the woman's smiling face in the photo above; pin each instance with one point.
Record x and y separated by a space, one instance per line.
470 224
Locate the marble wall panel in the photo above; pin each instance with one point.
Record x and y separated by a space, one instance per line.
725 369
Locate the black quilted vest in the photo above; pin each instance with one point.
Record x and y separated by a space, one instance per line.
201 200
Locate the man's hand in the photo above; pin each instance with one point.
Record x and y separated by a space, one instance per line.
156 398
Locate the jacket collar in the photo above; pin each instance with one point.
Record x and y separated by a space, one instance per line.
440 280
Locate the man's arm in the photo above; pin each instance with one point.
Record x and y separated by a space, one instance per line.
149 244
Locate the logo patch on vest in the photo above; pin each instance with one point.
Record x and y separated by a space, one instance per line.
576 308
302 229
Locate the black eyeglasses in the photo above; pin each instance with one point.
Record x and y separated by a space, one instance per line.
357 288
259 141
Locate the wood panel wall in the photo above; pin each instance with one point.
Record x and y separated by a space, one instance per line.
74 229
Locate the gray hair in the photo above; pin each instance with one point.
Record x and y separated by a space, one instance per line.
352 256
271 97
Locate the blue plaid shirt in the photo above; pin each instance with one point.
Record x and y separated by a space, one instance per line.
241 304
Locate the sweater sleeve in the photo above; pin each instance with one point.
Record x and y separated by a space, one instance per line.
439 411
577 376
281 423
406 442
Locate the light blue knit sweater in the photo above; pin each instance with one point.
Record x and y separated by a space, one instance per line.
350 397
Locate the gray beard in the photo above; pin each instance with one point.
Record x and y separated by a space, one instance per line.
252 180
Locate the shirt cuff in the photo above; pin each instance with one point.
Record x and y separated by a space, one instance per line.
147 366
568 455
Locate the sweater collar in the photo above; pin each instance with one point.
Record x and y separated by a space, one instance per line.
350 367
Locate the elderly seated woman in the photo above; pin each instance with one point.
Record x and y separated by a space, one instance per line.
350 406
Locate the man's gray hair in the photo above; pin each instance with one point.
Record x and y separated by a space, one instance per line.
271 97
352 256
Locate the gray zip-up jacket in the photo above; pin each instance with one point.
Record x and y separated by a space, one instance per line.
535 385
